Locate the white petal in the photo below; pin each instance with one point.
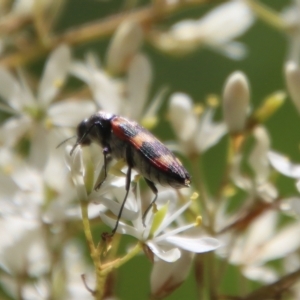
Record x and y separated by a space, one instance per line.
80 70
7 190
55 73
14 129
171 217
266 226
281 245
197 245
139 80
226 22
115 207
123 228
105 92
292 205
23 233
28 99
28 179
258 158
75 164
7 109
55 165
260 273
267 191
238 178
156 103
233 50
10 88
208 133
165 277
283 165
166 255
124 45
39 148
70 113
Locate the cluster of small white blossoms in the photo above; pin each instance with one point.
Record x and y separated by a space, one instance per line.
40 213
37 207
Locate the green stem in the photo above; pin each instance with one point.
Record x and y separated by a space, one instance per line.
199 184
100 279
267 15
107 268
211 276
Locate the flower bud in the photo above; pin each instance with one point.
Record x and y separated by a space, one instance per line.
181 116
292 76
236 97
269 106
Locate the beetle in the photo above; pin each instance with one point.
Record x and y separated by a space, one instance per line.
121 138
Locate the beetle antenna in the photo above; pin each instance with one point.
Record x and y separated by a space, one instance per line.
64 141
82 138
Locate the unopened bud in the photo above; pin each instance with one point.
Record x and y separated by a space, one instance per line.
181 116
269 106
236 97
292 76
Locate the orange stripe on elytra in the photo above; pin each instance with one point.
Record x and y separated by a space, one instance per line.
164 161
117 128
141 138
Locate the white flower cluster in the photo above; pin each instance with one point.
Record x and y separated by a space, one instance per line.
38 200
43 189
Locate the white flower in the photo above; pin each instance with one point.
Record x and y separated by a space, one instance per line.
171 248
106 91
33 116
258 161
216 30
263 242
196 134
166 277
109 94
23 246
163 241
86 171
33 216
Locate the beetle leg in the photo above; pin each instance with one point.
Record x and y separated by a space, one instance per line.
127 186
155 191
103 173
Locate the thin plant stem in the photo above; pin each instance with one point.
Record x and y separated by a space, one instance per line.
100 280
267 15
211 276
107 268
199 184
